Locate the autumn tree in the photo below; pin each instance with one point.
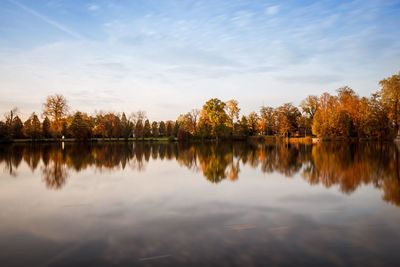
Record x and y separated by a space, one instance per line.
107 125
139 115
309 107
108 121
56 108
252 122
378 120
267 120
232 110
214 116
100 125
194 116
287 117
187 125
348 112
116 126
139 129
325 118
390 92
162 129
9 121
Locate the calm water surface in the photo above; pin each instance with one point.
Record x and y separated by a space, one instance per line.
200 205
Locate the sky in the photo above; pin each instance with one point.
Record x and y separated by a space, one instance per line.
168 57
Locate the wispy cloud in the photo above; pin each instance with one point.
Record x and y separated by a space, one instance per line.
47 20
93 7
183 53
272 10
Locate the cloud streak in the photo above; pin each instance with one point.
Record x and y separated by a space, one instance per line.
184 53
47 20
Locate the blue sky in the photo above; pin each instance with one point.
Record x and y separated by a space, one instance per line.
167 57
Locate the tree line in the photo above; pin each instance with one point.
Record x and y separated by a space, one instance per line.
344 114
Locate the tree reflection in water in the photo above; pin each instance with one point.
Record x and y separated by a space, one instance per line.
334 164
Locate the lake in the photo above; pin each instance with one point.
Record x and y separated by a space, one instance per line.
178 204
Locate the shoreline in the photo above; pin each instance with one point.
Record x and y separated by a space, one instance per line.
250 139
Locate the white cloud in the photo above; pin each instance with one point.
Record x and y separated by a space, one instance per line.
242 18
93 7
167 65
272 10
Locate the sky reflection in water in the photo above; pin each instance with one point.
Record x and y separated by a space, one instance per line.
207 205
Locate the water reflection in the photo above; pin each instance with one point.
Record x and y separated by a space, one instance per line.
345 166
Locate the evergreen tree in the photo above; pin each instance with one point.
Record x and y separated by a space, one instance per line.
176 129
243 126
161 129
46 128
139 129
126 127
154 129
147 129
169 128
80 128
32 127
17 128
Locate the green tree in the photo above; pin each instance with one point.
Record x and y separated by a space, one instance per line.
126 127
80 127
169 128
4 131
213 115
154 129
32 127
147 129
17 128
46 128
243 126
36 127
176 129
64 127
